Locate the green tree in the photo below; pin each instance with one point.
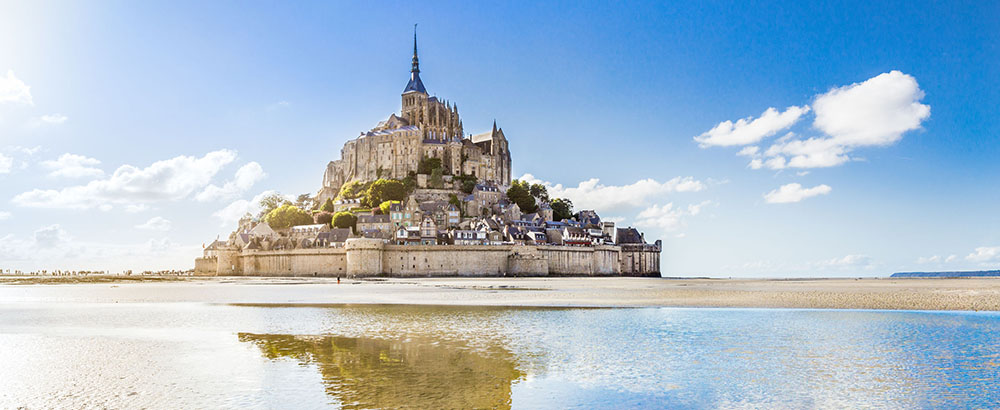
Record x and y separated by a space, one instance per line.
305 201
410 182
352 189
345 220
270 203
428 165
328 206
323 217
286 216
437 179
384 206
538 191
384 190
520 193
562 208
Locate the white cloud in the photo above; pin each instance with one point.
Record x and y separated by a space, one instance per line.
166 180
666 217
849 261
135 208
155 223
54 118
234 211
52 248
13 90
47 119
73 166
985 254
950 258
591 194
6 163
748 151
245 178
28 150
749 130
51 237
4 215
873 113
928 259
794 193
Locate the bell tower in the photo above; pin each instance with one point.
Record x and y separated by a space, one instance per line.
414 95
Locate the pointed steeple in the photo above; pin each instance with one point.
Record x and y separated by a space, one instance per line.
416 61
494 125
415 84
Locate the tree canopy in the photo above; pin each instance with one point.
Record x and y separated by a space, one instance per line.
384 190
352 189
327 206
384 206
270 203
428 165
437 179
539 191
323 217
520 193
345 220
286 216
561 209
305 201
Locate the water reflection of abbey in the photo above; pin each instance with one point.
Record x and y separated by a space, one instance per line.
365 373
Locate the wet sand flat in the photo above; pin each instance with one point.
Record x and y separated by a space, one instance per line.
883 293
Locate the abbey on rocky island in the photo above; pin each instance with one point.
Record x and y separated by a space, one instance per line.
427 127
454 211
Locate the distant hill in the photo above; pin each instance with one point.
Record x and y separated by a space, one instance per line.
954 274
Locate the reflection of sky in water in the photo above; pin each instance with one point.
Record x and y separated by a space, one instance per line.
367 356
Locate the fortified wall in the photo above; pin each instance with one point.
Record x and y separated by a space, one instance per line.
373 258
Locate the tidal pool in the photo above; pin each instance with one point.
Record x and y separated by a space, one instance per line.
197 355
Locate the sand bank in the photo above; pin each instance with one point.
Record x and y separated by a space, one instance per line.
907 294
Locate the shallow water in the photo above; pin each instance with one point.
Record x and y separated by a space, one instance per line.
195 355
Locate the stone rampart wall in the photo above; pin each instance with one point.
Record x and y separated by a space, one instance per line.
298 262
368 258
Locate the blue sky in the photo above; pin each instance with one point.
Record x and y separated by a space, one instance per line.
889 108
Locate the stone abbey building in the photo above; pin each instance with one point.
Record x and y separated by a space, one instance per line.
427 127
439 229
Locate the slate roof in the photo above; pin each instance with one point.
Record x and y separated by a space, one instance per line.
339 234
415 84
372 219
629 235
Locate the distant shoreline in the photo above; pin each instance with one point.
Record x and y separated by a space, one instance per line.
961 294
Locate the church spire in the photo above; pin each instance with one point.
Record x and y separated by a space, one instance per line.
416 61
415 84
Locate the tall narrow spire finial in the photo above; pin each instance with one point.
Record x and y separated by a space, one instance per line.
416 62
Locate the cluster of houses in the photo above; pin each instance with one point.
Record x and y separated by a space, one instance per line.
486 217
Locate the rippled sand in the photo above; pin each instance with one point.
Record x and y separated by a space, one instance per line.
905 294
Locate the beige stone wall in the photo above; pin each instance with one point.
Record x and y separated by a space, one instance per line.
367 257
582 260
298 262
640 260
206 266
444 260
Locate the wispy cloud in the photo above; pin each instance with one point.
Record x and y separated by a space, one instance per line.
166 180
794 192
592 194
245 178
155 223
13 90
73 166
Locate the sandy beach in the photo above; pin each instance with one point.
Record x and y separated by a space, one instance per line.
978 294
